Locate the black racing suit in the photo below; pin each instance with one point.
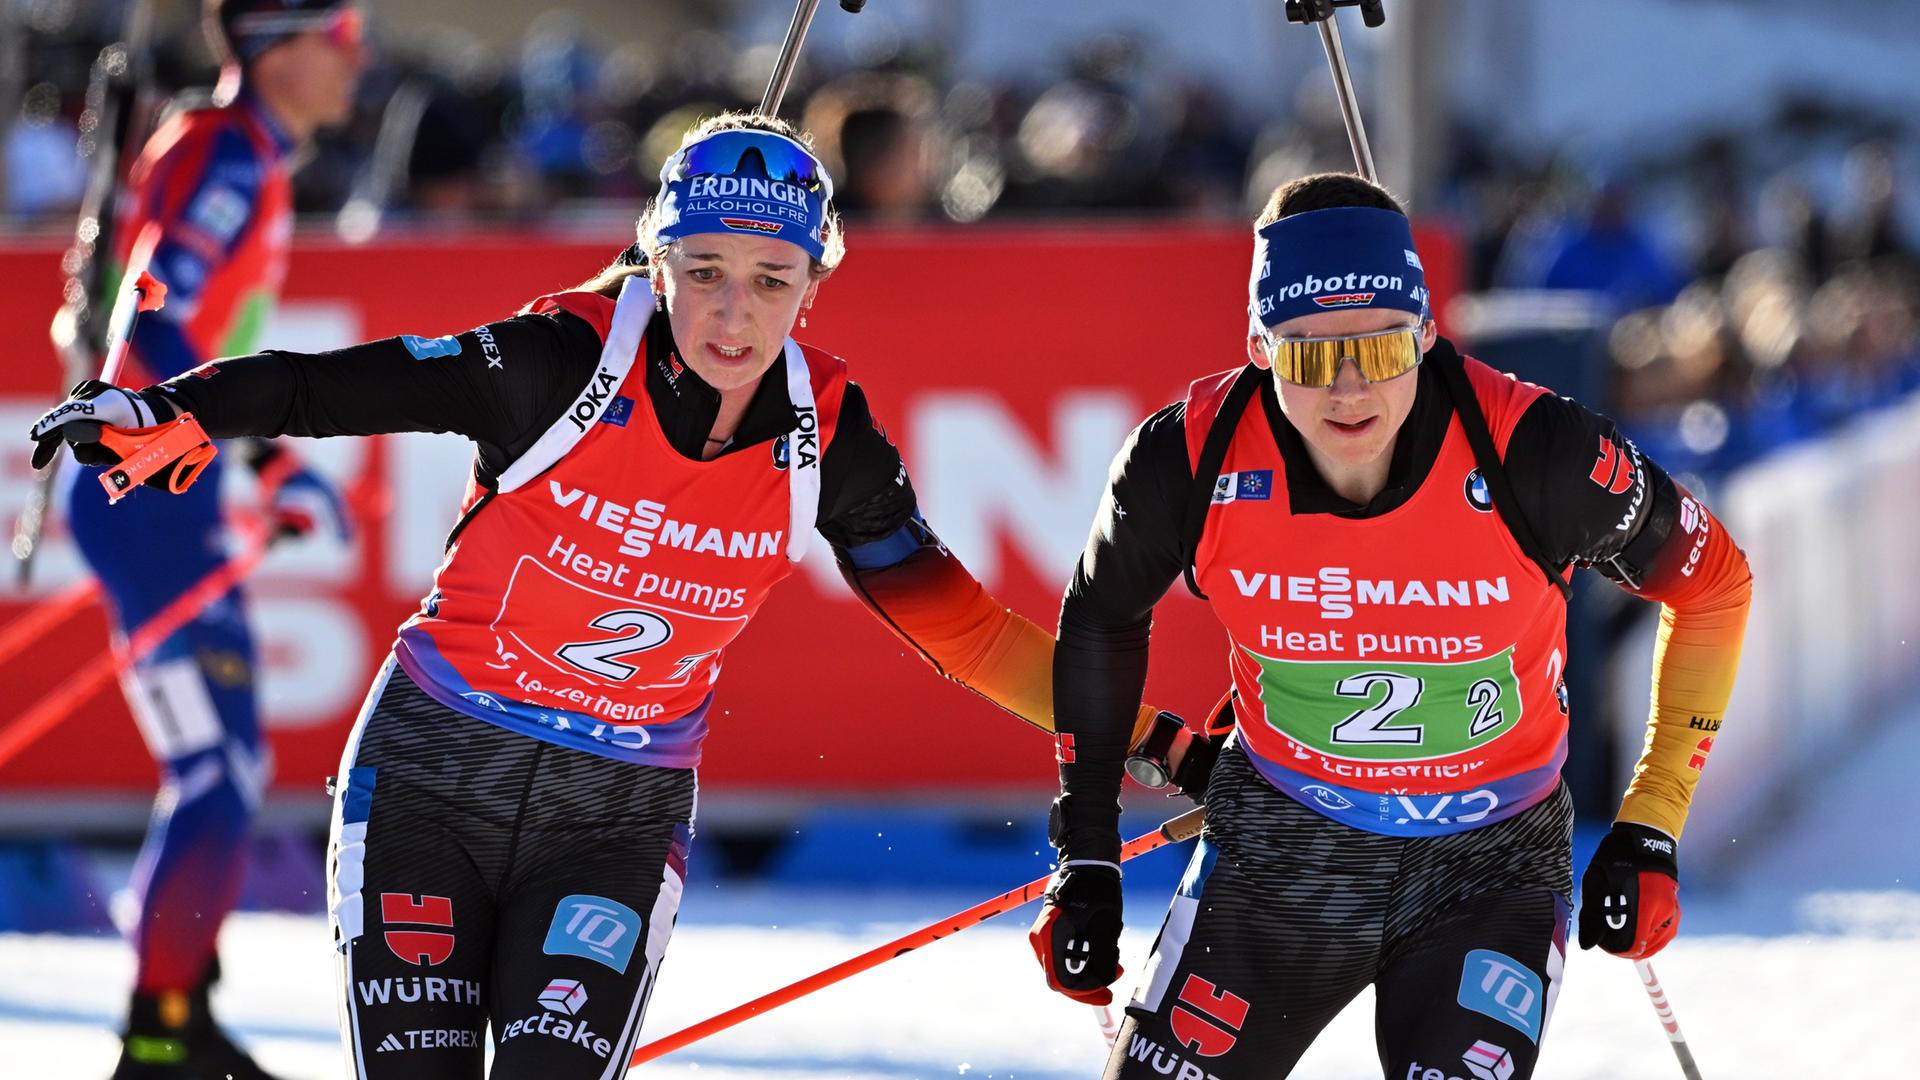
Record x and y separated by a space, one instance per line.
1285 916
480 876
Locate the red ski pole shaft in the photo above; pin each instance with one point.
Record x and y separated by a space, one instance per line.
1181 828
60 702
44 616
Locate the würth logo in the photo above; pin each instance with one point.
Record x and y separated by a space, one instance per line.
422 948
1614 471
1211 1029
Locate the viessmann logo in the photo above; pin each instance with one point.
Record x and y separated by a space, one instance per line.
1337 592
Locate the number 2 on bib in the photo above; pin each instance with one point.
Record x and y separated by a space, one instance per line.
601 657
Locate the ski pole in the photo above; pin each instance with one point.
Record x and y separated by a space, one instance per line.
1668 1021
1321 14
790 50
60 702
1184 827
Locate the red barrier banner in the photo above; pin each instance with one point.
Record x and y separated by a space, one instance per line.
1008 364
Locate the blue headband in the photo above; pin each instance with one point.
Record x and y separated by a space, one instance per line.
746 181
1327 260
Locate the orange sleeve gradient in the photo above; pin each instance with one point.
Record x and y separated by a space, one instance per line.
932 603
1704 587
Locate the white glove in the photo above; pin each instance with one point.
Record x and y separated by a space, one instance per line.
78 420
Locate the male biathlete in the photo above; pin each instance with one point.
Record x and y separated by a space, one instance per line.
516 800
213 183
1383 527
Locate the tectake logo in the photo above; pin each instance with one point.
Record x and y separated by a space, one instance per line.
564 996
1689 515
1487 1061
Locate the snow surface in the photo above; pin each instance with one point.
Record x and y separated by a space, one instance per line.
1802 968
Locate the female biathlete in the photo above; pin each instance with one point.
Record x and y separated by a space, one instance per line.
515 802
1385 542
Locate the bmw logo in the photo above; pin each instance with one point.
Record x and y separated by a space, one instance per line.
780 455
1478 496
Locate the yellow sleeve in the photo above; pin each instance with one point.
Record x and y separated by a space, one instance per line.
1705 588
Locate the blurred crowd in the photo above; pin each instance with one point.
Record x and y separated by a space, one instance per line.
1749 308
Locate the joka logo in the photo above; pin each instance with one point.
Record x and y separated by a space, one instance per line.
595 927
423 948
1212 1030
750 225
1353 299
1614 471
1479 496
564 996
1494 984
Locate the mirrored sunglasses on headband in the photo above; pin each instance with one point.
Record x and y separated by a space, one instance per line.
344 26
721 154
1315 362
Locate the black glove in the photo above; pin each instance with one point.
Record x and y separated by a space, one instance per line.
1630 894
1077 936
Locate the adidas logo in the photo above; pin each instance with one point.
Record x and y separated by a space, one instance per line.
389 1043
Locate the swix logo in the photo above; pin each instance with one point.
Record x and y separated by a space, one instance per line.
591 400
1344 300
1657 844
1700 751
1063 748
422 948
750 225
408 989
1211 1029
1337 592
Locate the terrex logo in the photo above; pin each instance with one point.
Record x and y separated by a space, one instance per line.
750 225
1344 299
1337 592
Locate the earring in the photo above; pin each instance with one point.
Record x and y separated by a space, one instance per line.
659 301
803 320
